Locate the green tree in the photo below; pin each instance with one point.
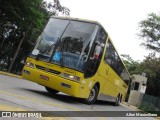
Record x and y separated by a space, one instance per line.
134 67
55 7
150 32
17 20
150 36
151 66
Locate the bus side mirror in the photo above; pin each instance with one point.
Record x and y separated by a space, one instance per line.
34 35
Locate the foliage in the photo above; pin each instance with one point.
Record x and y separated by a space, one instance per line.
134 67
18 19
53 8
151 66
150 103
150 32
147 107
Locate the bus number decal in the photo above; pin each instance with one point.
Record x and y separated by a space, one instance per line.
44 77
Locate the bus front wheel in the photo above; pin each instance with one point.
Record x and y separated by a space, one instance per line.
92 96
50 90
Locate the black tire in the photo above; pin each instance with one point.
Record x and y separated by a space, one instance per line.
92 96
118 101
50 90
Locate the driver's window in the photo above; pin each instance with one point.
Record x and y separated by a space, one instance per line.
96 53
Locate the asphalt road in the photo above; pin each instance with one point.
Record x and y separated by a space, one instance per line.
22 95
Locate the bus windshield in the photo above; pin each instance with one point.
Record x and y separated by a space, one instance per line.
66 43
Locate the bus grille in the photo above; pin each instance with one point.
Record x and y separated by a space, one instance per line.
40 67
47 70
54 71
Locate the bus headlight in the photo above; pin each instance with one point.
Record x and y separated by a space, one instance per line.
28 64
71 77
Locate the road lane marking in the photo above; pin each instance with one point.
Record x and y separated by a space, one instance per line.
4 107
54 118
39 101
102 118
44 102
10 108
10 74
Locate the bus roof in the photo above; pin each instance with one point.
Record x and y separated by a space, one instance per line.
79 19
76 19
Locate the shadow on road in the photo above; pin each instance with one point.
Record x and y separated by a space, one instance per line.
66 98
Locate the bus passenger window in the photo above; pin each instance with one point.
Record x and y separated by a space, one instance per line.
110 54
113 60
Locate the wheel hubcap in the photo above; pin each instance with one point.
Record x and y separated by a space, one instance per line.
92 95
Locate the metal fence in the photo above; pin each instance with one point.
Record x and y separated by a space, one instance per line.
150 103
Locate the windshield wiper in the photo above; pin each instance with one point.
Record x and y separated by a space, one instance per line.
42 56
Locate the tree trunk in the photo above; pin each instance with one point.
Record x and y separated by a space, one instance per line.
17 51
15 55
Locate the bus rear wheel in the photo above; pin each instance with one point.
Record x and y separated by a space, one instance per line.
118 101
50 90
92 96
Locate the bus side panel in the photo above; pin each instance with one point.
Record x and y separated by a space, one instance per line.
85 87
113 84
118 84
108 87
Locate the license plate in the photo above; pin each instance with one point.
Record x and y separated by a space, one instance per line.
44 77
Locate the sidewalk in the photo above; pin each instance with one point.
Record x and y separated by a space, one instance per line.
10 74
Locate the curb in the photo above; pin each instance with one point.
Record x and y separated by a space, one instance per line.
10 74
130 106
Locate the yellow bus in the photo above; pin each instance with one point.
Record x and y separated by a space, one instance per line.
77 57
